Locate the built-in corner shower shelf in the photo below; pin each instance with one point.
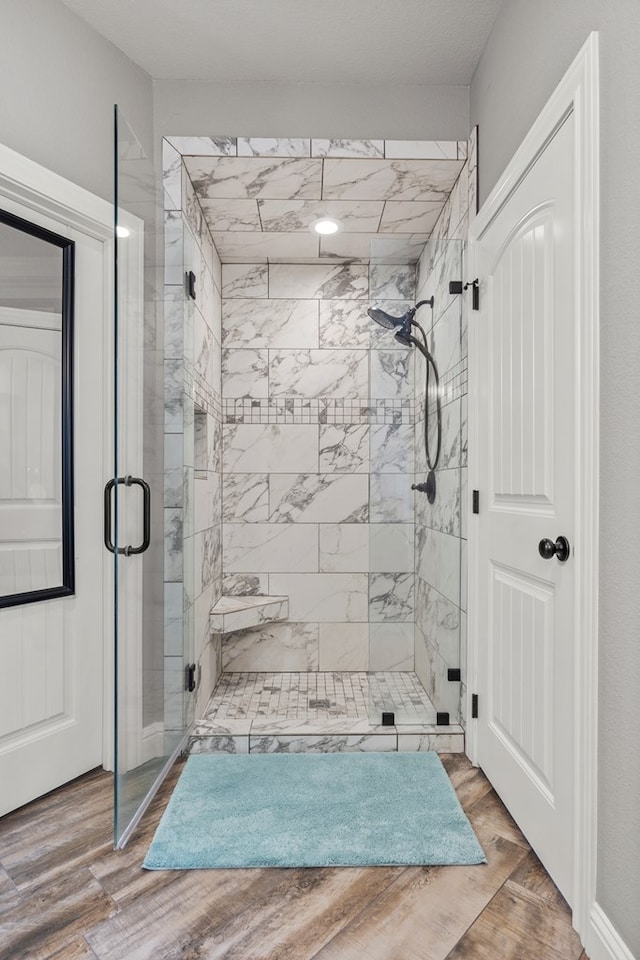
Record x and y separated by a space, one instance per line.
238 613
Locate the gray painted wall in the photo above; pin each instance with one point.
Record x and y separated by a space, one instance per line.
59 80
529 50
188 108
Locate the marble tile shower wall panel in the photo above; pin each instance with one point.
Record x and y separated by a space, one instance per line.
440 528
316 398
317 402
193 431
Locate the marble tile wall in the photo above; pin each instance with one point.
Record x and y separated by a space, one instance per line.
315 400
193 429
310 410
261 195
441 528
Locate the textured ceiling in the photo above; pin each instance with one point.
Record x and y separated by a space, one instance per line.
322 41
261 197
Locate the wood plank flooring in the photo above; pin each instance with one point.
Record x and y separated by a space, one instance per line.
65 894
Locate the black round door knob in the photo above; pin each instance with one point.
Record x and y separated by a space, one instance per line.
560 549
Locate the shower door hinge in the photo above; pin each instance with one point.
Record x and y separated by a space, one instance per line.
474 706
475 501
190 677
457 286
475 294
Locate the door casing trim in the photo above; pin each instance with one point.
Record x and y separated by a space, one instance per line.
577 93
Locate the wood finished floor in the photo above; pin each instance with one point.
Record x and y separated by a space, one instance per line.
65 894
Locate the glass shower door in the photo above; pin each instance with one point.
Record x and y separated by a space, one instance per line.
151 640
418 471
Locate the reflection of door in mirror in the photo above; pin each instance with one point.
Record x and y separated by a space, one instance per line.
32 388
30 488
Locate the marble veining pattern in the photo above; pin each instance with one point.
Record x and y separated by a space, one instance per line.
245 497
318 373
244 280
289 216
277 178
345 324
205 146
410 216
391 597
344 548
245 373
344 449
273 147
240 246
245 584
391 448
391 281
319 498
238 613
391 373
390 179
289 645
319 281
347 148
270 323
270 547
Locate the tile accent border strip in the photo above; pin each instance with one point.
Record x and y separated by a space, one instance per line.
324 410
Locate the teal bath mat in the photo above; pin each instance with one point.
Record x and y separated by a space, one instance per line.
313 810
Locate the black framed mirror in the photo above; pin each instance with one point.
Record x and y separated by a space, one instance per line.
36 413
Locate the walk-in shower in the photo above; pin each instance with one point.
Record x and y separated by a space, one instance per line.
402 325
341 585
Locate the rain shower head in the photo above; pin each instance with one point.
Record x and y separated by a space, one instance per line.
386 320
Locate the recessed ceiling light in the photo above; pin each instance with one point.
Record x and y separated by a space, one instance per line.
121 232
326 226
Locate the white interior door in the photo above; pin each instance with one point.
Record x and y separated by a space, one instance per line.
526 366
51 652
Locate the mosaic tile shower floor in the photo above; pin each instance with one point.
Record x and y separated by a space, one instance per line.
321 711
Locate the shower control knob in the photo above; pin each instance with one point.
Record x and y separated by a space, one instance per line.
560 549
422 487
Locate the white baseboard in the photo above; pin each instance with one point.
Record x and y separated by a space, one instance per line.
153 741
603 941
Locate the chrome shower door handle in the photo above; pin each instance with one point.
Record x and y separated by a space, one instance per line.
128 481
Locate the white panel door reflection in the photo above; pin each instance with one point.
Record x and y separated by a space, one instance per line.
30 453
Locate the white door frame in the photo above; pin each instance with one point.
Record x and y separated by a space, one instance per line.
49 194
577 93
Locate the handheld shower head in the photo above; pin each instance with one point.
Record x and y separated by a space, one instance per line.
386 320
404 337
